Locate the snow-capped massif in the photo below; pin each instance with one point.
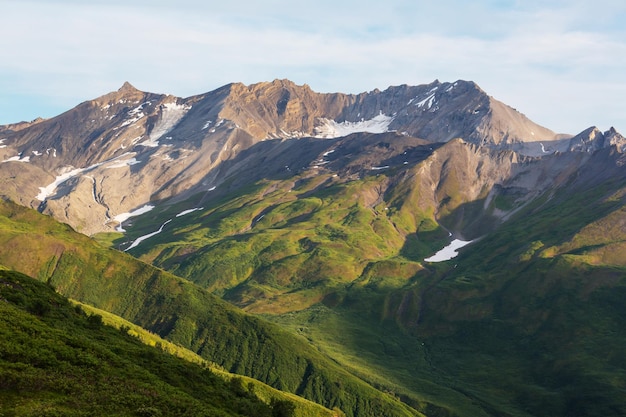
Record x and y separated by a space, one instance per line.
140 147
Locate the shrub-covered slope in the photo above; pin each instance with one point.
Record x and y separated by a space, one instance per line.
56 360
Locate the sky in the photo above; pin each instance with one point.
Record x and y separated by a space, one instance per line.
561 63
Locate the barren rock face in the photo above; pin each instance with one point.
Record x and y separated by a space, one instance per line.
119 152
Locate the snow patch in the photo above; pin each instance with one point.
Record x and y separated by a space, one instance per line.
171 114
18 158
331 129
379 168
149 143
69 172
449 251
93 189
132 120
123 163
182 213
144 237
47 191
120 218
427 102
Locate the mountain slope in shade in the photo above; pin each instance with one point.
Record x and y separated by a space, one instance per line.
288 240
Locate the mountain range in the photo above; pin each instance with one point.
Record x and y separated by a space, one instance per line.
107 157
318 215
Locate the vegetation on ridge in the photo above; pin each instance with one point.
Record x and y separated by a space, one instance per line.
182 312
56 360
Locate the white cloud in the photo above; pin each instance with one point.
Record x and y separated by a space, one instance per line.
548 59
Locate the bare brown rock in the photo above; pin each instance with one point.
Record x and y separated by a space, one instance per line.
118 152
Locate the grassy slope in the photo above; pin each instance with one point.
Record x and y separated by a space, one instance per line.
264 392
530 306
540 299
181 312
55 360
287 244
529 322
343 246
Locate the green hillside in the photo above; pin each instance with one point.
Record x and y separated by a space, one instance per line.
56 360
282 246
528 321
182 313
543 299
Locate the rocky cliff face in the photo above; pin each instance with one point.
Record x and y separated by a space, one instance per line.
93 165
593 139
437 112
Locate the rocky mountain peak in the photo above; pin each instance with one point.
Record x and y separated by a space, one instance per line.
280 109
593 139
127 87
128 147
589 140
613 138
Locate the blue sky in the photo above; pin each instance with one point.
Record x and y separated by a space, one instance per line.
562 63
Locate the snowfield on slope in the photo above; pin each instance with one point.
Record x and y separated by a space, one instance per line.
330 129
449 252
120 218
171 114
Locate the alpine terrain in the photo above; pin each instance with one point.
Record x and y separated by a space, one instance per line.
422 250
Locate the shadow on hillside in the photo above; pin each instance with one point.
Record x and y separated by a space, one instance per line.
346 158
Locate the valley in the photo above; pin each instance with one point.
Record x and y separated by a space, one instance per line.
294 237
